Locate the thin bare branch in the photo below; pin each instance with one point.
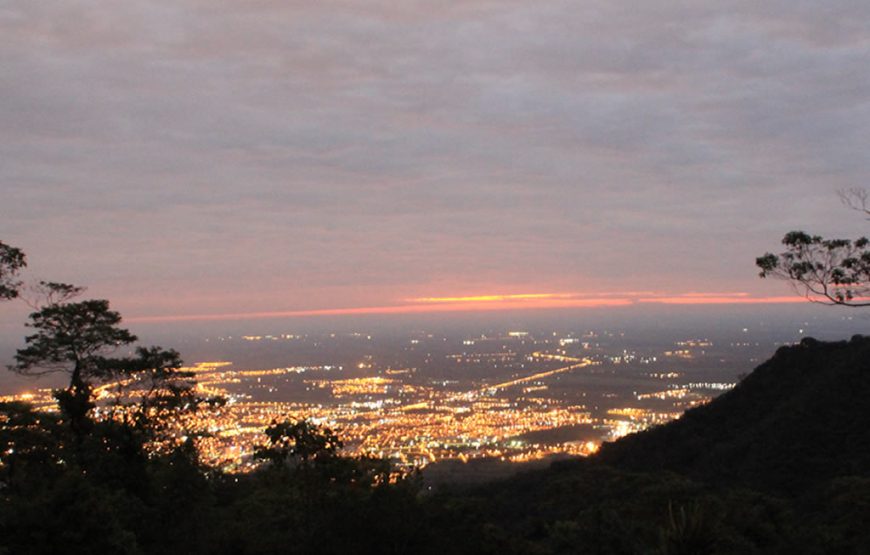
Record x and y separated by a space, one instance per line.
855 198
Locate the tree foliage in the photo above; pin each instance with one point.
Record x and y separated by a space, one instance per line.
831 271
72 338
298 444
79 339
828 271
12 261
149 392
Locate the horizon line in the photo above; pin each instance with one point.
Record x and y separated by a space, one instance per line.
486 303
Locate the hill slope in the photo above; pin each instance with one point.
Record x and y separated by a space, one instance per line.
780 464
801 418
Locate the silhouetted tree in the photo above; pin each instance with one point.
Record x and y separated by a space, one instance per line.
76 338
73 338
828 271
12 260
298 443
150 392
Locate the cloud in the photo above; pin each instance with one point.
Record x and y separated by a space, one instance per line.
294 153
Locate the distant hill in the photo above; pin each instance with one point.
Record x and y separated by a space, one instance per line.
800 419
780 464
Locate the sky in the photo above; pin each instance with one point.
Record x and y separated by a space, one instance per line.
193 160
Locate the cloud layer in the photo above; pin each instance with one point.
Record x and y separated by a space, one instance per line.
192 157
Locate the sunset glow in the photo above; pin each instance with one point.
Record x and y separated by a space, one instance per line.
484 303
493 298
723 299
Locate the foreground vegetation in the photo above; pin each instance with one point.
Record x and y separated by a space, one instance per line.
781 464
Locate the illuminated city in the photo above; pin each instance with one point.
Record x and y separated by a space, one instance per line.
512 396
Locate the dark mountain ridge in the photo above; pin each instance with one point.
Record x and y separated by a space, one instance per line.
780 464
800 419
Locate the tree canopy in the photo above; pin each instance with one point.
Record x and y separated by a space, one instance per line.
828 271
12 260
298 443
79 339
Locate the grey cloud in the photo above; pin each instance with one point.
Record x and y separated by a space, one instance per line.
342 143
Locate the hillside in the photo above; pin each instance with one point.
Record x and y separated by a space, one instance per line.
780 464
798 420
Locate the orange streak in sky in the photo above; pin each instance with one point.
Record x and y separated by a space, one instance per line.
712 294
493 298
732 299
398 309
487 303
